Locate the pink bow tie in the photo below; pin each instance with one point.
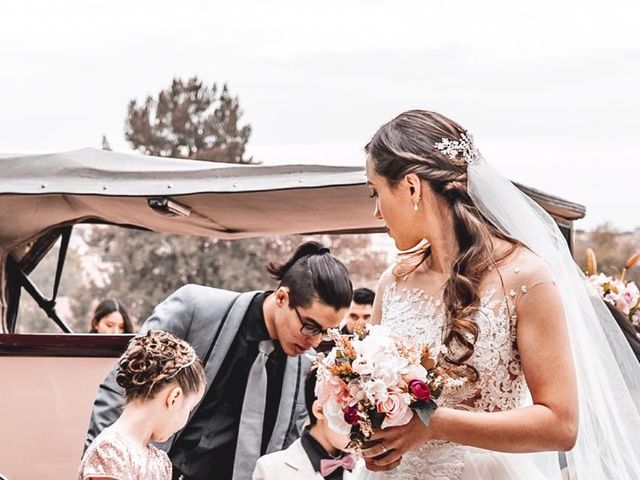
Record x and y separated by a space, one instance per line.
328 466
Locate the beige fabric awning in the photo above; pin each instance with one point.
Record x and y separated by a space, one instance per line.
40 193
227 201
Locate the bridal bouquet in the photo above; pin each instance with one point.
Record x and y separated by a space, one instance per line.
616 291
373 379
624 295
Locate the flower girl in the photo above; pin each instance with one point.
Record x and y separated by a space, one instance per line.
163 381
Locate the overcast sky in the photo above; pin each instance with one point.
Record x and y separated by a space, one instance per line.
550 89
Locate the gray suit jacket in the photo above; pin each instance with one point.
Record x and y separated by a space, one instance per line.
209 318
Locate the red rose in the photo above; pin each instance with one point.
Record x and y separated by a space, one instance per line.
351 415
420 390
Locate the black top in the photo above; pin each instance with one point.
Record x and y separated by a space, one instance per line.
316 453
209 439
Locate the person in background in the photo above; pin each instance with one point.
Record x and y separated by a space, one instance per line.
111 317
360 309
359 312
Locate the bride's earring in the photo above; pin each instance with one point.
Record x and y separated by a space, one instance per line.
415 205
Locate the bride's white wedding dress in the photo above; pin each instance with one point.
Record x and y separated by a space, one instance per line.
607 373
501 385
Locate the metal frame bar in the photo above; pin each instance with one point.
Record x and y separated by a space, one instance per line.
18 275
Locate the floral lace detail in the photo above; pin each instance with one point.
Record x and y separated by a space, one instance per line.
433 461
501 384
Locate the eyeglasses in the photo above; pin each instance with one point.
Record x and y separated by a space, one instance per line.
309 329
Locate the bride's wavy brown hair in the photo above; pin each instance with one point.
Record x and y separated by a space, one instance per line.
406 145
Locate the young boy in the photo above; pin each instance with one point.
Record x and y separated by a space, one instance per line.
318 454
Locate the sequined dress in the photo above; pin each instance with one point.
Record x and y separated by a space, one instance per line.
112 455
415 313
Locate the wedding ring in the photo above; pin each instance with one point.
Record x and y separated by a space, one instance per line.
384 448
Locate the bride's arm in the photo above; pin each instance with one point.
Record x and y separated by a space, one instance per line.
551 423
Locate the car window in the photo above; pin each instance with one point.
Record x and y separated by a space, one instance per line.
141 268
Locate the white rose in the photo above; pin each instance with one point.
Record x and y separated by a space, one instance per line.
389 369
375 391
335 417
378 340
416 372
362 366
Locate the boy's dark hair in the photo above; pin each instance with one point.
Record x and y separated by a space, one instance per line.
310 393
363 296
313 273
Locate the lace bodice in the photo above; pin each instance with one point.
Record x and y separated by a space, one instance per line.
416 314
501 385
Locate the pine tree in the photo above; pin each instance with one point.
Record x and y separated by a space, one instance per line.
189 120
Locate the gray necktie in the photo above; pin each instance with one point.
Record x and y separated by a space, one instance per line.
253 405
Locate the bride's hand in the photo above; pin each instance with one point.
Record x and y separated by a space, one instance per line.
390 444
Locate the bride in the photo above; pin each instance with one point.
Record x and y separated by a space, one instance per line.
487 282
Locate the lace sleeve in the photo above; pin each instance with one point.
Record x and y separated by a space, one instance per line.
106 459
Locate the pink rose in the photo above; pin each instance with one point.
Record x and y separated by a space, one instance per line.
327 389
396 410
420 390
351 415
629 300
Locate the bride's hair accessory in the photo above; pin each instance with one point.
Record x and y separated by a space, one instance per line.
463 147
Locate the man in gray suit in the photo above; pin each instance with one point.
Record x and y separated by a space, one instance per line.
250 344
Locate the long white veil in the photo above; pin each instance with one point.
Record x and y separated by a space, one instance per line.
608 374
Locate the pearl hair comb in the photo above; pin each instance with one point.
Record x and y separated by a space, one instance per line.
463 147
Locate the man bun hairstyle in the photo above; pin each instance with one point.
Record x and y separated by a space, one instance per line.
156 359
313 273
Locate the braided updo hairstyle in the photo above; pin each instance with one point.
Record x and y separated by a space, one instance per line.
407 144
155 359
